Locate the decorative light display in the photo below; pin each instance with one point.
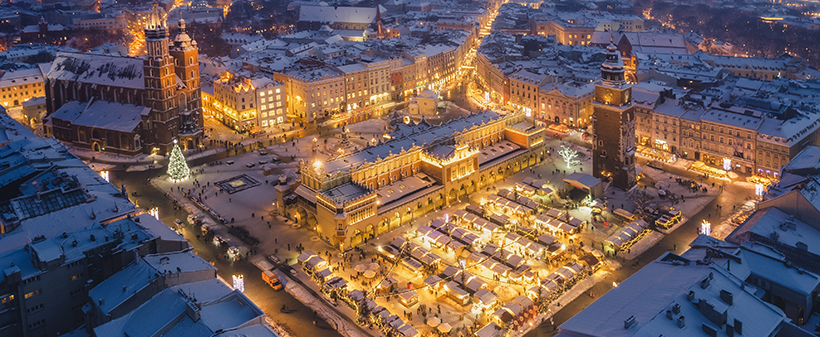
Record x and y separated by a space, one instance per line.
759 190
239 283
569 156
177 166
705 228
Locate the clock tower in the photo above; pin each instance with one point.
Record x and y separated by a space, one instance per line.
613 124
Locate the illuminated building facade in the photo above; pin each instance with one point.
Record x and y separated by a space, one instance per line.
366 193
613 148
243 103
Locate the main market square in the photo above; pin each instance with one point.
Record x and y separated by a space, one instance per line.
482 225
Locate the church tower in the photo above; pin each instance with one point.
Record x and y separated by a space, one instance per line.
186 67
613 148
160 86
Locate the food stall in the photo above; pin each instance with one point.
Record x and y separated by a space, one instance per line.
456 293
409 298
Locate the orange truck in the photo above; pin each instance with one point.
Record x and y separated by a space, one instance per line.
270 278
267 274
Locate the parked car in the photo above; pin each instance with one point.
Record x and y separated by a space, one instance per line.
263 162
229 162
178 223
250 165
263 153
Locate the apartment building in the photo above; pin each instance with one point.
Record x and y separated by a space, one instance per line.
315 89
567 102
244 103
49 268
17 86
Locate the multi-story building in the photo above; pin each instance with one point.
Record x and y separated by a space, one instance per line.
315 89
243 103
366 193
762 68
63 229
22 85
645 103
339 17
524 93
113 24
367 83
728 137
568 103
613 123
713 289
690 132
723 135
166 82
34 110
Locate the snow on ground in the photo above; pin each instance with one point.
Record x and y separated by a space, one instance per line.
375 126
321 306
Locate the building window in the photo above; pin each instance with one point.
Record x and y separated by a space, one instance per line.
37 324
33 293
34 309
31 279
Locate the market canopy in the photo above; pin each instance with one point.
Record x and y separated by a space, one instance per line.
585 182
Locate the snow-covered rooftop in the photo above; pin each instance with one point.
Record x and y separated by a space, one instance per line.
396 146
197 309
103 114
658 287
114 71
337 14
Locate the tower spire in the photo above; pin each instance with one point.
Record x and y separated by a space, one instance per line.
155 25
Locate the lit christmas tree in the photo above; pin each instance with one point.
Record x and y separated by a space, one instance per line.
177 166
569 156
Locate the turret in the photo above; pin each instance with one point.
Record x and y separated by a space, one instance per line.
155 26
612 70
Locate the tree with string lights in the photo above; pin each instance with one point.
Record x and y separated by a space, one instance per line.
569 155
177 166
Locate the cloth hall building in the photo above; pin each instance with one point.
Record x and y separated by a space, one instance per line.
422 168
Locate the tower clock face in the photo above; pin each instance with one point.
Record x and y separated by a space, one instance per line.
626 95
608 95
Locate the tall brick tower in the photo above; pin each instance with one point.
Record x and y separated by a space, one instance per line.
160 86
613 123
186 66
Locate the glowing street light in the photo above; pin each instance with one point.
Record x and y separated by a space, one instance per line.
154 212
104 175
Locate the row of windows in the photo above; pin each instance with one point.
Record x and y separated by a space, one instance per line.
33 293
22 94
37 324
35 308
31 279
25 86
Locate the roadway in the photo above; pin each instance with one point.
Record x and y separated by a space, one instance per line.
299 322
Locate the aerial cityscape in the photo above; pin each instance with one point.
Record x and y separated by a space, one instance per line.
409 168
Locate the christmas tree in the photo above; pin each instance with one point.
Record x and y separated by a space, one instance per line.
177 166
